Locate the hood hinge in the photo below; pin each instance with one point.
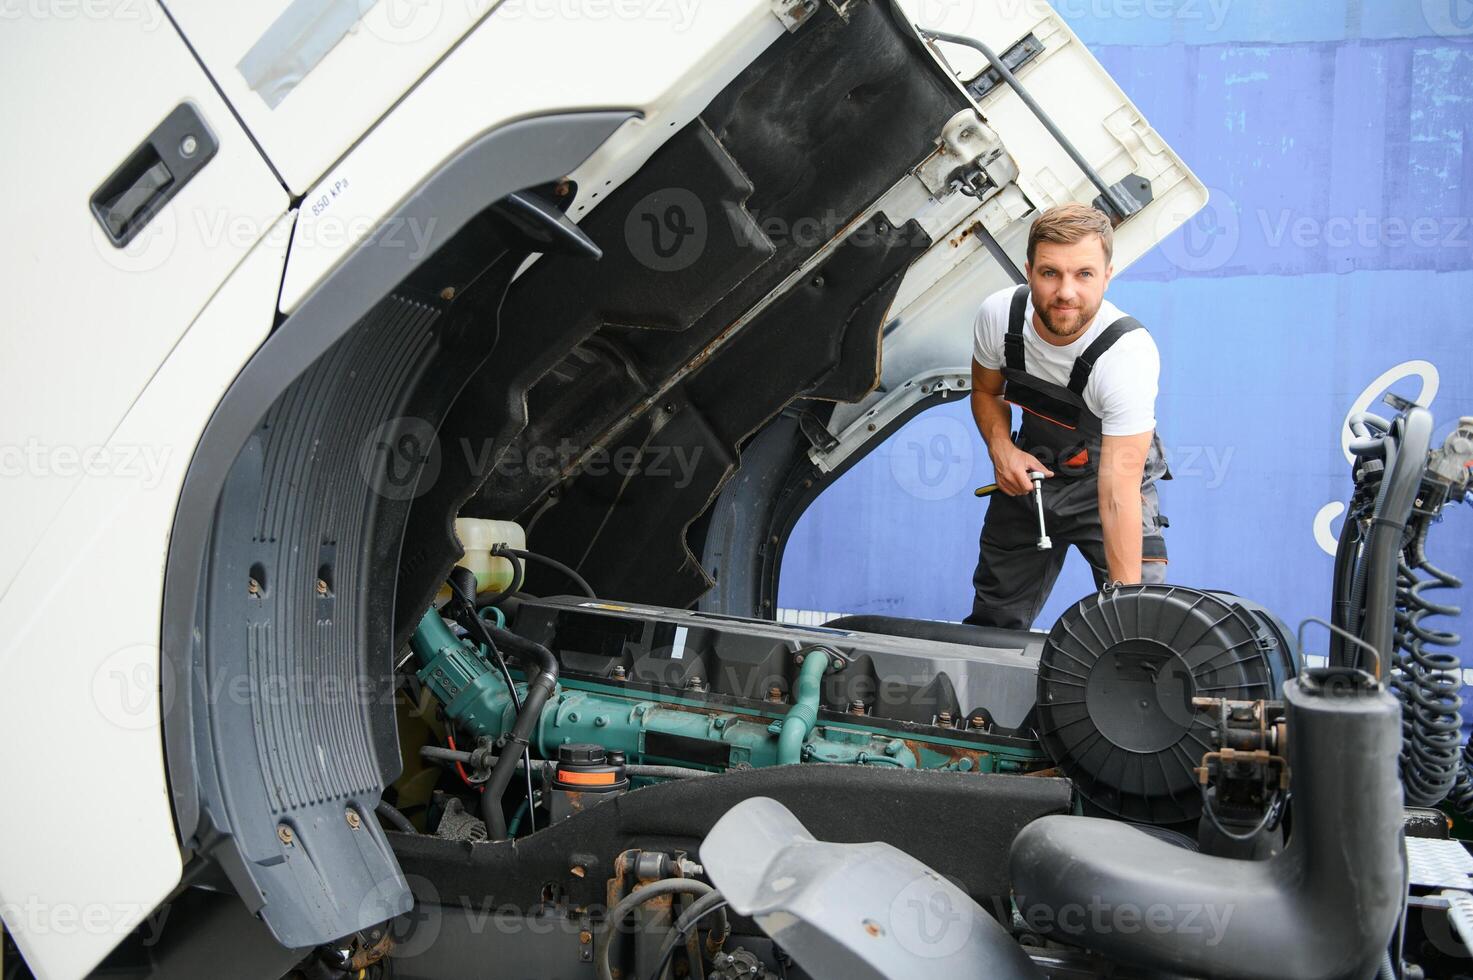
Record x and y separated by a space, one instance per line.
969 157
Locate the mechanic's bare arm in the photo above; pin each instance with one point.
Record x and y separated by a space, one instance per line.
994 419
1122 462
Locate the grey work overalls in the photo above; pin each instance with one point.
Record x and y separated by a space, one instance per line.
1013 578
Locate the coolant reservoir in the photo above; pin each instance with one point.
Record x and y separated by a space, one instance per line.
477 537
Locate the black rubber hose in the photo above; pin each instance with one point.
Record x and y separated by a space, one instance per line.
539 689
462 583
1402 480
636 898
503 551
530 653
518 579
391 816
712 903
1368 430
1372 444
1369 450
1347 550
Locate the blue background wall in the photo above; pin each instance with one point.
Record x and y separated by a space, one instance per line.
1338 246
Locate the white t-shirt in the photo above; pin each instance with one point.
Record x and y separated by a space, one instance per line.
1121 389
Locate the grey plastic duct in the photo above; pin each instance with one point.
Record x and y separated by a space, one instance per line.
1326 907
853 911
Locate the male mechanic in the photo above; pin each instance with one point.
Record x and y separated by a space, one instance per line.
1085 376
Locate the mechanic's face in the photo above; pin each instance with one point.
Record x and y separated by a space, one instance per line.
1068 283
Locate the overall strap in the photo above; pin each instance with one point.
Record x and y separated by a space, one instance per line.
1013 342
1084 365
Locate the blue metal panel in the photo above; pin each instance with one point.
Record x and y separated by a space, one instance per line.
1339 246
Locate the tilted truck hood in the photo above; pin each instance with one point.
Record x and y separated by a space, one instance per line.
812 247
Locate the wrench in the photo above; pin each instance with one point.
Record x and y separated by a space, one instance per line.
1045 543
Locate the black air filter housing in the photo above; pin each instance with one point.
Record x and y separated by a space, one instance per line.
1115 686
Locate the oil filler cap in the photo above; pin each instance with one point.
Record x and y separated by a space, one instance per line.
581 754
586 776
585 766
1116 680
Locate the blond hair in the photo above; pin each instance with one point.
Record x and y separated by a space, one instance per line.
1069 224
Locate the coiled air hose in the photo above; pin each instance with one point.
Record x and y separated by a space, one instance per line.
1427 680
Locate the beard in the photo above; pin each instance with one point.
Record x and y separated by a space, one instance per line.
1066 323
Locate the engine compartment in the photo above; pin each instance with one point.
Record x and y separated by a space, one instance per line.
465 775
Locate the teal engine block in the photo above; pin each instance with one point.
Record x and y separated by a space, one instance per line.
668 687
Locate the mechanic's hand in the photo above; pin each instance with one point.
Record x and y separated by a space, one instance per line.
1012 466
